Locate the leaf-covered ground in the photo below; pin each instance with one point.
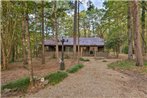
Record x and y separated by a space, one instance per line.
16 70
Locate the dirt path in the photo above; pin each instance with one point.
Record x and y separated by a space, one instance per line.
95 80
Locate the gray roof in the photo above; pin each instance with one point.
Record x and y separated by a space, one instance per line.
91 41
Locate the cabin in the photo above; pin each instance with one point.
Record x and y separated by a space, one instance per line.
88 46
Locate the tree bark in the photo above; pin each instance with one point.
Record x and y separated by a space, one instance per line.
84 28
36 41
7 37
24 41
75 30
29 47
93 27
4 62
3 49
11 42
138 51
130 41
56 28
143 26
43 48
78 32
13 53
17 55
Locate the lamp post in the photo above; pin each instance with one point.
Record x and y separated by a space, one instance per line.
62 67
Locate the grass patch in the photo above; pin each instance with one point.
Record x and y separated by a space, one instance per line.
20 84
84 59
145 63
55 78
125 64
128 65
145 67
75 68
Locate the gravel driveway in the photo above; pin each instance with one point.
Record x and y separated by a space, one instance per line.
94 80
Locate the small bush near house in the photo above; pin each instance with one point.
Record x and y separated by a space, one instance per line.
84 59
75 68
125 50
56 77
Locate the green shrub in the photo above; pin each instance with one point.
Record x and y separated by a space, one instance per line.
75 68
125 64
125 50
20 84
84 59
145 63
56 77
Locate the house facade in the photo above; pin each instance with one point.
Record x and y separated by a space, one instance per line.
88 46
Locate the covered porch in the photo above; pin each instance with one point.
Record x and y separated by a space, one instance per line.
84 50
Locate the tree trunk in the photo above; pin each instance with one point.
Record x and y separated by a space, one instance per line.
28 47
4 62
17 53
138 51
84 28
117 51
24 41
143 27
89 31
56 29
75 30
13 53
7 37
93 27
36 41
8 53
43 51
84 32
3 36
130 41
78 32
7 44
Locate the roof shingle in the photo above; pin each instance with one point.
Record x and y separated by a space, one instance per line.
83 41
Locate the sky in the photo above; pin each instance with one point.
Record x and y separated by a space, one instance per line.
97 3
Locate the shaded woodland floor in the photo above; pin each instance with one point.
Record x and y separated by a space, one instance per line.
16 70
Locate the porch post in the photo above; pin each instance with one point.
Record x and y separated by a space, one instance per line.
81 51
95 49
68 51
